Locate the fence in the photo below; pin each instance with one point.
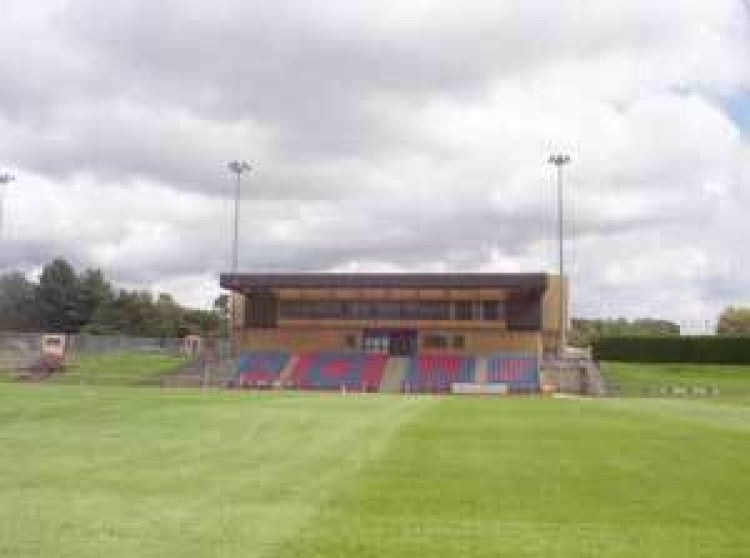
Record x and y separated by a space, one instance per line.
96 344
675 390
31 343
99 359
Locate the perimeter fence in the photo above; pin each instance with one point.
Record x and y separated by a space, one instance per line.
109 360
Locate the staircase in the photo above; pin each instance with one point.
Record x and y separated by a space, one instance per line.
480 372
594 379
194 374
394 374
285 377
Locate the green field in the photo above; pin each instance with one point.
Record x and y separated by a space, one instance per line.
91 471
728 381
119 368
124 368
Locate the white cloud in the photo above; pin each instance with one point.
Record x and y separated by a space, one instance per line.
387 136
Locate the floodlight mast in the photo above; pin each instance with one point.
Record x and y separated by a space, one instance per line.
560 160
5 179
238 168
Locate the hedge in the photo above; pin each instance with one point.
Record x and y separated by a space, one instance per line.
694 349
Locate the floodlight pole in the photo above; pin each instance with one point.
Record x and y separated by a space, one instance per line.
5 179
237 168
560 160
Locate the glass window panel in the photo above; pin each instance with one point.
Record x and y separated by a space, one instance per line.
434 310
463 310
492 310
435 341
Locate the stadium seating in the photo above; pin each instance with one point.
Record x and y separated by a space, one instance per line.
354 371
436 373
519 371
259 369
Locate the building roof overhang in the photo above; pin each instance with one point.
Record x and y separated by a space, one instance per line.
242 282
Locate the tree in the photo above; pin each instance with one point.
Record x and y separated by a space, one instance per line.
221 305
93 291
201 322
583 332
168 316
17 303
65 302
57 298
734 321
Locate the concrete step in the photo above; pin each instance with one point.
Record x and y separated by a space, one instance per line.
394 375
594 379
285 377
195 374
480 376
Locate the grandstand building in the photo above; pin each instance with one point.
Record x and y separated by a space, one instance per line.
393 332
396 314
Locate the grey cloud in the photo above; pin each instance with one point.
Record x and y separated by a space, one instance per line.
323 89
406 134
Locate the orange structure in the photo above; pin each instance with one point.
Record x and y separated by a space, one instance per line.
398 314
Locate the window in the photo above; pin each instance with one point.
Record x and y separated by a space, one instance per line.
463 310
375 344
433 310
410 310
367 310
261 310
435 341
458 342
311 310
492 310
387 310
327 310
294 309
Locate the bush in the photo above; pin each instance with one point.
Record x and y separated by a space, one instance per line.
692 349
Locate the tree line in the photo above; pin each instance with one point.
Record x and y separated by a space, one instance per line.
584 332
64 301
734 321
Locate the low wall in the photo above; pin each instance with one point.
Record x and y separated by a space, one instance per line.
23 344
300 340
565 378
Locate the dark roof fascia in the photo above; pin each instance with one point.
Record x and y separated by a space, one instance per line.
246 281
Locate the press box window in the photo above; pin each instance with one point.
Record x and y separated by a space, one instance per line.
375 344
491 310
435 342
261 310
463 310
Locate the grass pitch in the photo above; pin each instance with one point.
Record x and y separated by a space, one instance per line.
729 381
120 368
117 368
121 472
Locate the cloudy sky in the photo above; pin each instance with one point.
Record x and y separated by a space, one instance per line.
385 135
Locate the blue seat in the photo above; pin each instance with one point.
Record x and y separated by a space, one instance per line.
436 373
519 371
331 370
261 368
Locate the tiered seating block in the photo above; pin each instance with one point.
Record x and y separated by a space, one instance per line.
260 369
328 371
436 373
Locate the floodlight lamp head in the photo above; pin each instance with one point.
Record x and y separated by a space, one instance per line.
238 167
559 159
